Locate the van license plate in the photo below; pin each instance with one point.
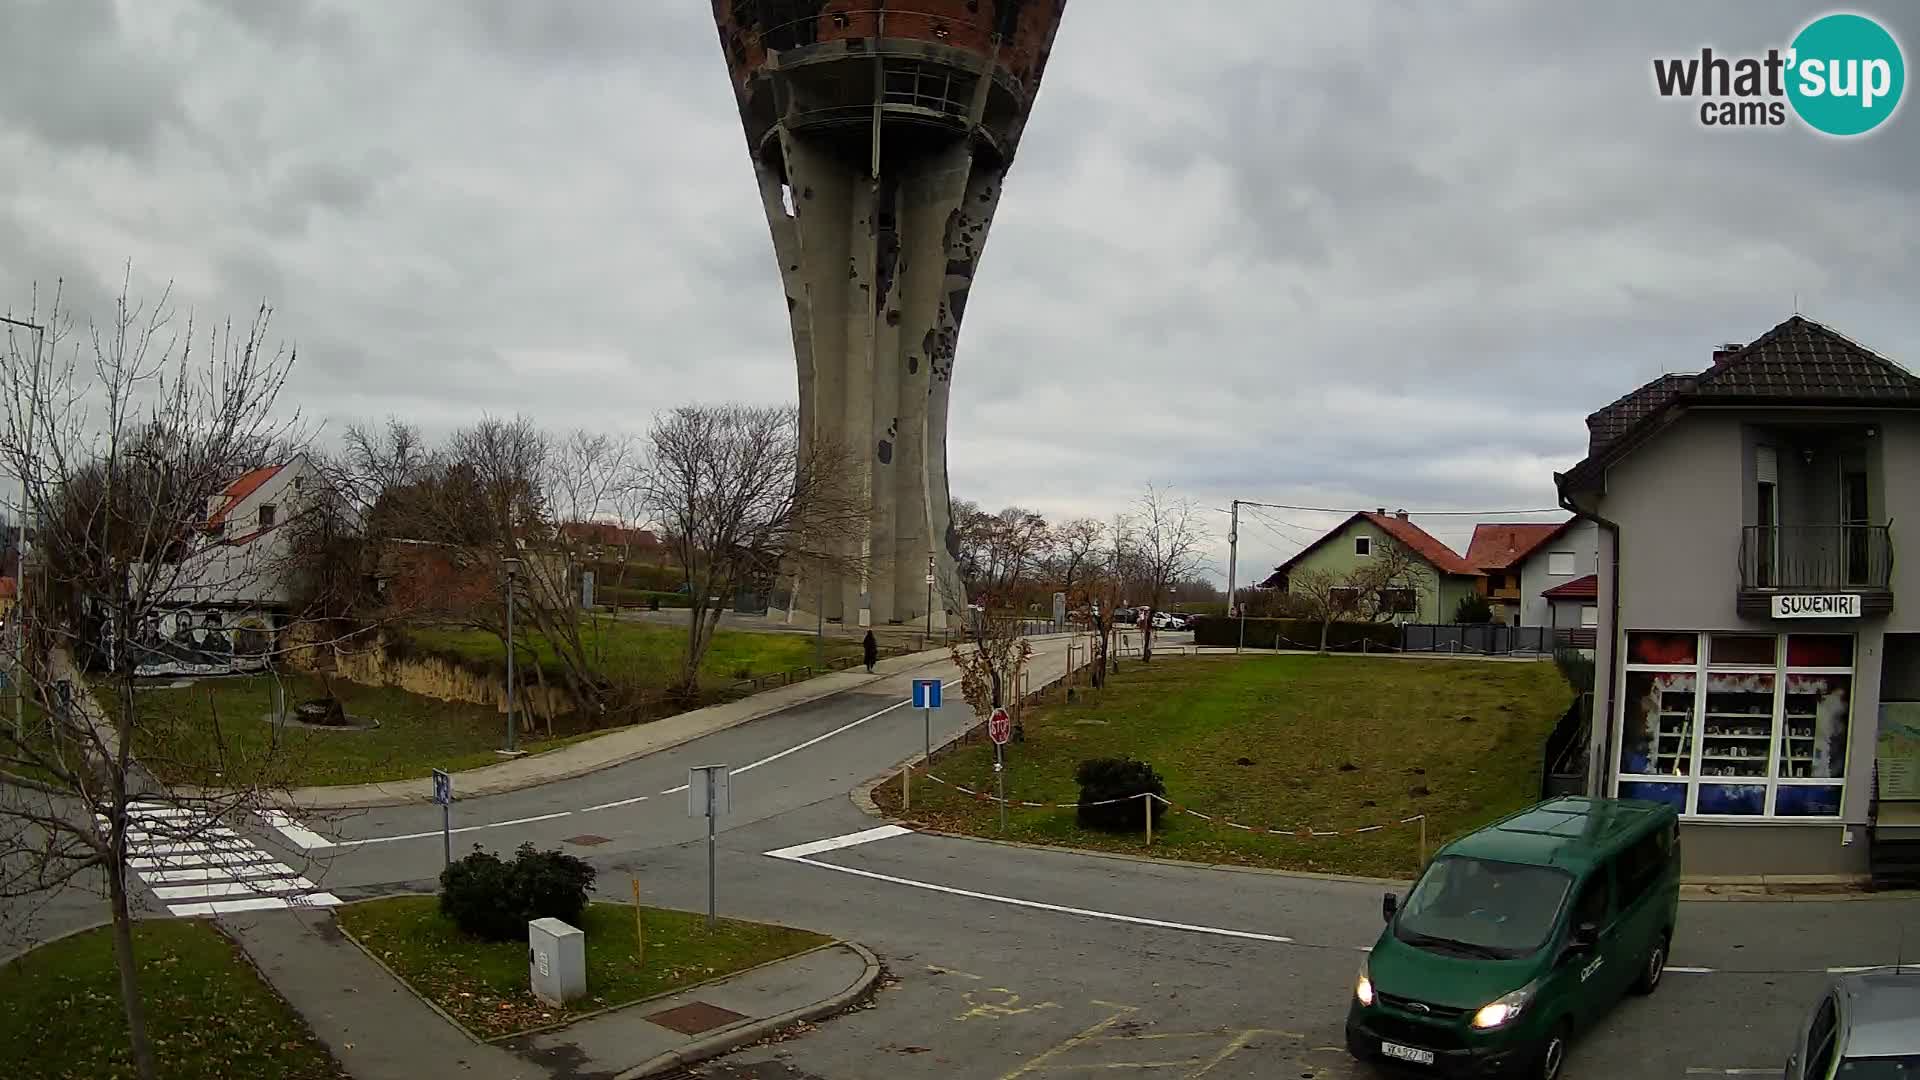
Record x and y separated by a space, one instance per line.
1406 1053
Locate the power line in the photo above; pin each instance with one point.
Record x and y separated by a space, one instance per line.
1420 513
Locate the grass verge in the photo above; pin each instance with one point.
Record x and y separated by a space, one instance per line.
1332 743
215 732
208 1013
641 654
483 984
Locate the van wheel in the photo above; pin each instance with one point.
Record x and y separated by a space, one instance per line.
1553 1053
1653 967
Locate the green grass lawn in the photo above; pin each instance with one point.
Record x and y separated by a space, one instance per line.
208 1013
484 984
643 654
1277 743
215 732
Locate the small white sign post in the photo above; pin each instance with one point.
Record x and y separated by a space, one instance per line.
443 794
709 795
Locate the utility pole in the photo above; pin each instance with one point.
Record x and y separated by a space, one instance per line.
927 643
1233 565
26 514
512 568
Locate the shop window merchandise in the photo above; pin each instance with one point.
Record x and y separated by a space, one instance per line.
1722 725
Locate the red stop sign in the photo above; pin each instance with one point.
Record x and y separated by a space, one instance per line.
1000 727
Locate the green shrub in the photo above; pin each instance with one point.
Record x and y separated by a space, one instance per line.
1103 779
494 900
1295 634
1473 608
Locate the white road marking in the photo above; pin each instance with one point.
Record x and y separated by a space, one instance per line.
769 759
209 889
181 835
1690 970
257 903
218 873
200 858
148 810
150 850
835 843
301 836
1036 905
436 832
611 805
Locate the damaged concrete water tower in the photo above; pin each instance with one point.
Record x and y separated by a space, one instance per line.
880 135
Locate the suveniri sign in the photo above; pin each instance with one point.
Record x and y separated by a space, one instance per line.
1838 606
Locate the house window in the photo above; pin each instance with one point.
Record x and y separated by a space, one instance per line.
1589 615
266 515
1363 546
1398 601
1737 725
1343 599
1560 564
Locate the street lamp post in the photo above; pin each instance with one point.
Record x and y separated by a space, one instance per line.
513 570
20 551
928 643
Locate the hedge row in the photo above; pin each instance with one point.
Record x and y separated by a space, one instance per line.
1294 634
637 576
638 597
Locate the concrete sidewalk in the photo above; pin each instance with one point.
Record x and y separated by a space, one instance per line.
379 1030
614 748
623 745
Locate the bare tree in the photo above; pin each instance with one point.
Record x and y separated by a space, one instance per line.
121 437
739 496
1170 546
1074 544
1388 585
1104 575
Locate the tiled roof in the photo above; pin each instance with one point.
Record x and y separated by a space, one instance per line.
1423 544
1799 362
1496 546
1417 540
1581 588
1614 421
237 492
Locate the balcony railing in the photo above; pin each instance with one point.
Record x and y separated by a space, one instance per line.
1816 557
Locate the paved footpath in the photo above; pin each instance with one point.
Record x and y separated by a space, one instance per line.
378 1030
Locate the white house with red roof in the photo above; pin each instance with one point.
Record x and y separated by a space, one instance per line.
225 598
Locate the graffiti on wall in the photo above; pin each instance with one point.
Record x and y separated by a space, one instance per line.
203 641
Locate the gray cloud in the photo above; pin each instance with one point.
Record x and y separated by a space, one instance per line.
1334 255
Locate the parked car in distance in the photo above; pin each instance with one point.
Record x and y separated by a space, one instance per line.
1866 1027
1517 935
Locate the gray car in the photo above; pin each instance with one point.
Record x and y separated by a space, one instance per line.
1866 1027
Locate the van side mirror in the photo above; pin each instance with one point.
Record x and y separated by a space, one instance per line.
1584 937
1389 904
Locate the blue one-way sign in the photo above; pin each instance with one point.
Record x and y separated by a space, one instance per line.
926 693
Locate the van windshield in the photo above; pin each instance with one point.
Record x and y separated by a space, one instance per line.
1479 907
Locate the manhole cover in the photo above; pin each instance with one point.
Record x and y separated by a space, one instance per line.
695 1018
585 840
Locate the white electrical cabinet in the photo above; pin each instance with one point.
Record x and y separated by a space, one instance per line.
556 961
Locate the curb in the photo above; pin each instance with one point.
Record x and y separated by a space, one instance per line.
17 954
301 799
715 1045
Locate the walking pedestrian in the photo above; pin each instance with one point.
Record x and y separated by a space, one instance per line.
870 649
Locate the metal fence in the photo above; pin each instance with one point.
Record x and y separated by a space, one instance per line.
1491 639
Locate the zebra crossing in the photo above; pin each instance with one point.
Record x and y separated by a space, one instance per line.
197 866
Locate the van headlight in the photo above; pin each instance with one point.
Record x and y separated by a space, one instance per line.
1500 1013
1363 986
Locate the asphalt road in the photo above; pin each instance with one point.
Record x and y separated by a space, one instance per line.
1021 963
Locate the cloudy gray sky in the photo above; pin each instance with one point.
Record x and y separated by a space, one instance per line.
1355 254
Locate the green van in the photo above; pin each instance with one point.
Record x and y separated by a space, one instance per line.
1519 934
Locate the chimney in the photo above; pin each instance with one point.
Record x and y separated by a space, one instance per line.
1725 352
1381 510
1401 514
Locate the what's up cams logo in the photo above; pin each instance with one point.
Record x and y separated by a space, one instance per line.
1843 75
